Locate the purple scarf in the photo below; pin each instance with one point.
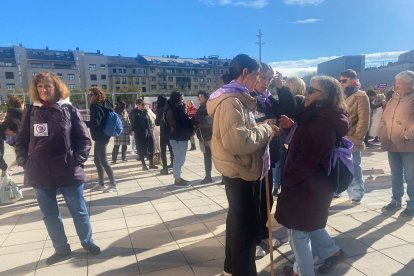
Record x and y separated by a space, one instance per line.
343 153
263 98
232 87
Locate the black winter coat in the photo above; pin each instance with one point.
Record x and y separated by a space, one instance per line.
181 127
97 122
52 144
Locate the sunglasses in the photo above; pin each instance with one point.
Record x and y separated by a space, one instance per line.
343 80
312 90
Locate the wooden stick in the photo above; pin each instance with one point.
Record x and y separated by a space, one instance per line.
269 224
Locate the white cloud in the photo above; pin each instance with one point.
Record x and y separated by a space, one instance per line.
257 4
303 2
306 21
304 67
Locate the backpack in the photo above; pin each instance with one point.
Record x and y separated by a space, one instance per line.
113 126
341 165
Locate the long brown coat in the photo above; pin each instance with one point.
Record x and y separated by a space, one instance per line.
306 192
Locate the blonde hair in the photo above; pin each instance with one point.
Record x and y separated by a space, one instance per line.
61 90
296 86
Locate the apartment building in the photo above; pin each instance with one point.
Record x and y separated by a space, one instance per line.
150 75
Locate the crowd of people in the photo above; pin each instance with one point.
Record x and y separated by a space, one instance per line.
234 125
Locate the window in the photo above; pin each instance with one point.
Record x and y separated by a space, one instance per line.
117 81
104 86
118 89
153 78
171 87
144 89
170 79
137 81
114 70
59 75
163 86
169 71
102 66
195 87
92 67
71 77
93 77
133 71
143 81
10 86
120 70
34 74
9 75
103 77
72 86
208 80
201 79
195 79
153 87
124 71
124 81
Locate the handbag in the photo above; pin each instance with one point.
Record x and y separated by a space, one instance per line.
9 191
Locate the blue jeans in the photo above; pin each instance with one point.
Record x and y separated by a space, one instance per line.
402 166
179 149
75 201
306 245
356 189
278 169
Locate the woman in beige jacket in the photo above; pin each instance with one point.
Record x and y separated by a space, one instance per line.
237 146
397 137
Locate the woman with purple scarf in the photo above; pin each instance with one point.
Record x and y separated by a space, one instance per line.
303 204
237 146
269 107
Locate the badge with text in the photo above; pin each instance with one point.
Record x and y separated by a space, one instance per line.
40 130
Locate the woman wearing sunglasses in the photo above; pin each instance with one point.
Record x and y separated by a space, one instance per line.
306 195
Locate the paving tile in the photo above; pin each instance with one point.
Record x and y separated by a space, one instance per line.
25 237
403 253
376 238
192 232
117 265
142 220
152 239
72 268
160 258
200 251
375 263
209 268
181 270
21 247
22 262
138 210
346 223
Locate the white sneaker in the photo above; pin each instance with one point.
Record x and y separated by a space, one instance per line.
110 189
275 243
260 253
226 274
98 187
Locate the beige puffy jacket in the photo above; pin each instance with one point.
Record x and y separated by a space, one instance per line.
237 143
397 124
359 115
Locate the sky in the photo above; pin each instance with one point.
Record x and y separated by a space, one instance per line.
297 34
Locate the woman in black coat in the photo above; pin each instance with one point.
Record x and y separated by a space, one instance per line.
306 195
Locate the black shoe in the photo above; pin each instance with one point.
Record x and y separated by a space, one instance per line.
193 147
181 183
393 206
144 167
376 140
113 162
330 263
164 171
57 257
152 166
369 145
170 166
408 213
93 249
206 180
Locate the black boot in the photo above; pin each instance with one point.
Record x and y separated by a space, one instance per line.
144 166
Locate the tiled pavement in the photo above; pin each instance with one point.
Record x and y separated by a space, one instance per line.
153 228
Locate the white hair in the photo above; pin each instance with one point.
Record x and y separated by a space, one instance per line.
408 77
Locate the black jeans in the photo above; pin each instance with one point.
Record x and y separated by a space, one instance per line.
262 230
243 198
145 148
115 151
164 143
101 163
207 161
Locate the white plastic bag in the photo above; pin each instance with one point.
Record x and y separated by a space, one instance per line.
9 192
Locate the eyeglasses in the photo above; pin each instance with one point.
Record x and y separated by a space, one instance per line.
343 80
312 90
